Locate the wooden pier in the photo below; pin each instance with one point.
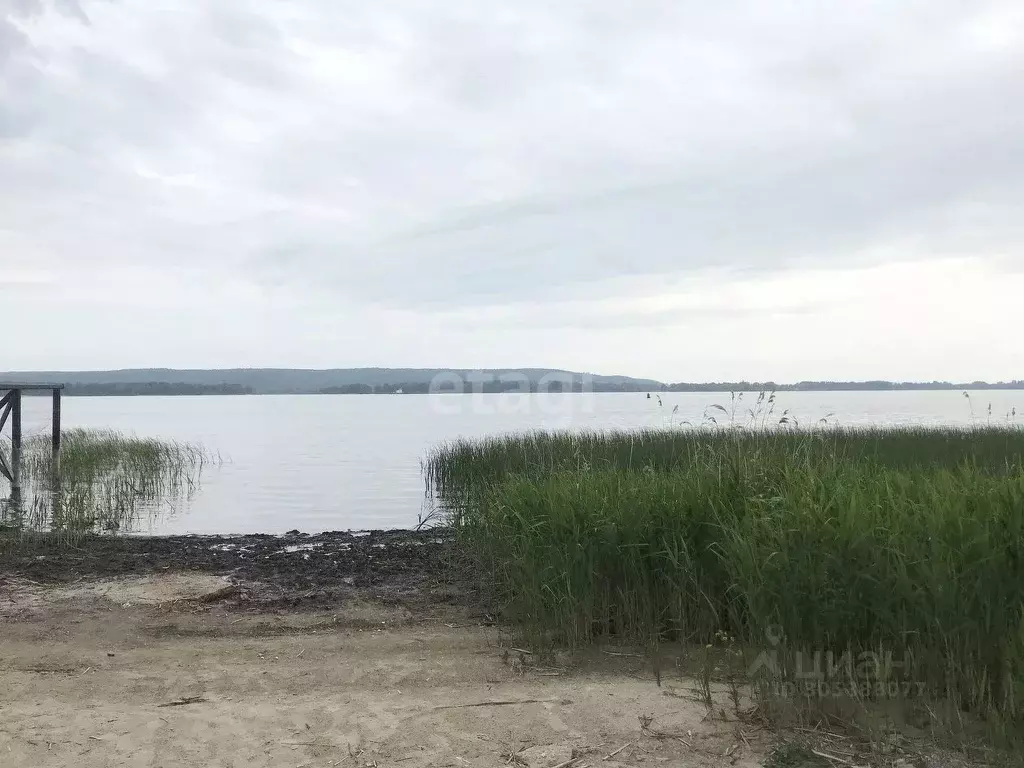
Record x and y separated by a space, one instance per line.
10 409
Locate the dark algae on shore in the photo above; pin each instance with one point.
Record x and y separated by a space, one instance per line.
295 561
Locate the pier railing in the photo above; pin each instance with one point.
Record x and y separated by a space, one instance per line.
10 410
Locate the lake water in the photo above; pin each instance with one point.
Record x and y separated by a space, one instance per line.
321 462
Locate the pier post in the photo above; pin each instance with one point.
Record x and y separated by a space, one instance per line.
10 410
16 445
56 437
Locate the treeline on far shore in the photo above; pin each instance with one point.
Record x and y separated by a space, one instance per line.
159 388
153 388
164 388
461 387
837 386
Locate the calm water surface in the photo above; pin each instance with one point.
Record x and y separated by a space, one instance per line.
321 462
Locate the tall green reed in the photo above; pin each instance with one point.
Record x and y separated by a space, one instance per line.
107 482
456 471
909 541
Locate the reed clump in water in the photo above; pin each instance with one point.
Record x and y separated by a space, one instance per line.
900 542
107 481
457 471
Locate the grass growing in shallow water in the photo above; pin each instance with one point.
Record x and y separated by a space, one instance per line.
463 467
888 542
107 482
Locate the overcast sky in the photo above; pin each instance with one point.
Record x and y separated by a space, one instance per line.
681 190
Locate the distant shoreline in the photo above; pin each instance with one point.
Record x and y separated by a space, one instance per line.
191 391
410 381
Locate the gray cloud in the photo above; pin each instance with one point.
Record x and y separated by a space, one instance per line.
593 318
455 155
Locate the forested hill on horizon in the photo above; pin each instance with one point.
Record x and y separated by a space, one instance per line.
275 381
258 381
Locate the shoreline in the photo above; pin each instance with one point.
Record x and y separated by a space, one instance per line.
297 570
316 649
308 650
143 671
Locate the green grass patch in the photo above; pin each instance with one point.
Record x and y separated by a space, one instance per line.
901 549
107 482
